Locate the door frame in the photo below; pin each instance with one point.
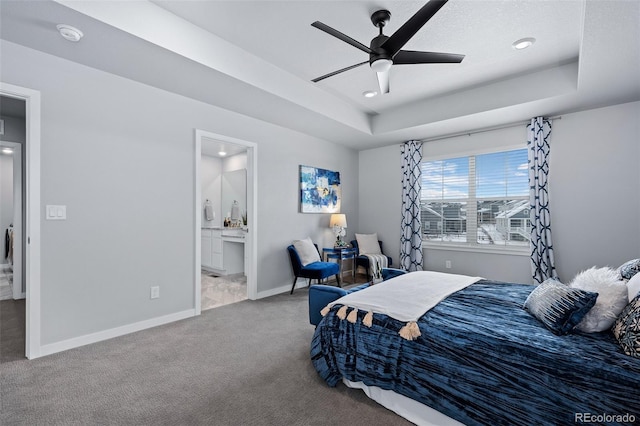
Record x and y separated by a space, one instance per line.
32 214
250 243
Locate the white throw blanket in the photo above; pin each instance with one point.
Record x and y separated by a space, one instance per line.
406 298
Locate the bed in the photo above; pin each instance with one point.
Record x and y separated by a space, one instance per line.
480 359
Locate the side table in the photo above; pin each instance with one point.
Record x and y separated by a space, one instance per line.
340 255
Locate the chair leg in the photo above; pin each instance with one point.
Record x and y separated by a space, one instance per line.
294 284
338 280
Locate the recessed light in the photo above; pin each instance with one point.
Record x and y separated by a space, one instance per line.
7 151
222 153
69 33
369 93
523 43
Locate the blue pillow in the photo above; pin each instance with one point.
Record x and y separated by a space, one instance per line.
629 269
559 307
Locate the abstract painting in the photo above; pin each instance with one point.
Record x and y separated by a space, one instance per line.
319 190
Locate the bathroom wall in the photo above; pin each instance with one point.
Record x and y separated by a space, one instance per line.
211 188
211 171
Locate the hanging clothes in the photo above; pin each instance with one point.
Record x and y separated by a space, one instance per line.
8 244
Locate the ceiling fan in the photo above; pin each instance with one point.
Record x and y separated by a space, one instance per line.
385 51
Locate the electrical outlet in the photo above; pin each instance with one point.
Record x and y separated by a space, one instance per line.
447 264
155 292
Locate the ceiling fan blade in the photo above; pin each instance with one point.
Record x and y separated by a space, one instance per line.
411 27
383 81
327 29
405 57
331 74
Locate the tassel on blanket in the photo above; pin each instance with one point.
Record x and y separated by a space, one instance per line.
368 319
353 316
325 311
410 331
342 312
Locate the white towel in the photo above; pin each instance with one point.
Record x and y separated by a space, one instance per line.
208 211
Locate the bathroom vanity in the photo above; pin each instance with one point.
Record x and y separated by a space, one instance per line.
222 250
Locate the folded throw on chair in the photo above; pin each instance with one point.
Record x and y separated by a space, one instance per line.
376 263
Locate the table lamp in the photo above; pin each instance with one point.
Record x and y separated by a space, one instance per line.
338 223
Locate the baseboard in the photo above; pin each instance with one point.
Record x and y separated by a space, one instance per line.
281 289
287 289
76 342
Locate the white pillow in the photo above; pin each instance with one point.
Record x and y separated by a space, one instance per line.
306 251
368 243
633 286
612 298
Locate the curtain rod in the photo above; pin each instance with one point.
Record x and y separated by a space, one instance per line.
486 129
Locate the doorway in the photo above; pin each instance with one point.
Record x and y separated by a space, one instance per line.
244 221
29 217
11 220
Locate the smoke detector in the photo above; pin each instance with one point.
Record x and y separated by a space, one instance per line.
69 33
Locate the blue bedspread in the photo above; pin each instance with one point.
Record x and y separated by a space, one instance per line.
483 360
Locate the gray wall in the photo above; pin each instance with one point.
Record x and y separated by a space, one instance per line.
595 182
6 199
14 129
120 156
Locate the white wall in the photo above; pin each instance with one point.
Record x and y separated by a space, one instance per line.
595 182
119 155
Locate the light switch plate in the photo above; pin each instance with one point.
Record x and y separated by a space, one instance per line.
56 212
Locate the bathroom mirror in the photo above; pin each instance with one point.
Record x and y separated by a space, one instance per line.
234 188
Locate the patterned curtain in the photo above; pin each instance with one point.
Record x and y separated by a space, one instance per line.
411 236
539 136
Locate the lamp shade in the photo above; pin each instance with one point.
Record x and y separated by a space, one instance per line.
338 220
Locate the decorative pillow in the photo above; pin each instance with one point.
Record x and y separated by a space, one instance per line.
633 286
612 298
558 307
626 329
629 269
307 252
368 243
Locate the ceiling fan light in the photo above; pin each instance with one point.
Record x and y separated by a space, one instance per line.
381 65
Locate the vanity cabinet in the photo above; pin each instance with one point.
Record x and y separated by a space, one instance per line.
211 248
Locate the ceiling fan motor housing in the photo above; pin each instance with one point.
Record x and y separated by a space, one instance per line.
377 51
379 19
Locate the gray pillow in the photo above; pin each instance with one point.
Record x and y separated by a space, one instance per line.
629 269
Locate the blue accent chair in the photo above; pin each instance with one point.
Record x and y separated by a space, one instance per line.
364 260
321 295
313 271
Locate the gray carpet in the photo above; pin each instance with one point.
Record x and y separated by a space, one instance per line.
241 364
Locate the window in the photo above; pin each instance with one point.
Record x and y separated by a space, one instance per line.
479 200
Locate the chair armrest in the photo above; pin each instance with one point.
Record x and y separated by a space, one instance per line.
388 273
319 297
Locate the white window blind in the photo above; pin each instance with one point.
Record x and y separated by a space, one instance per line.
478 200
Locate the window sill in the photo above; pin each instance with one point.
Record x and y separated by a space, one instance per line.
520 251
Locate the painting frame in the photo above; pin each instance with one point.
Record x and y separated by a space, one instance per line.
319 190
